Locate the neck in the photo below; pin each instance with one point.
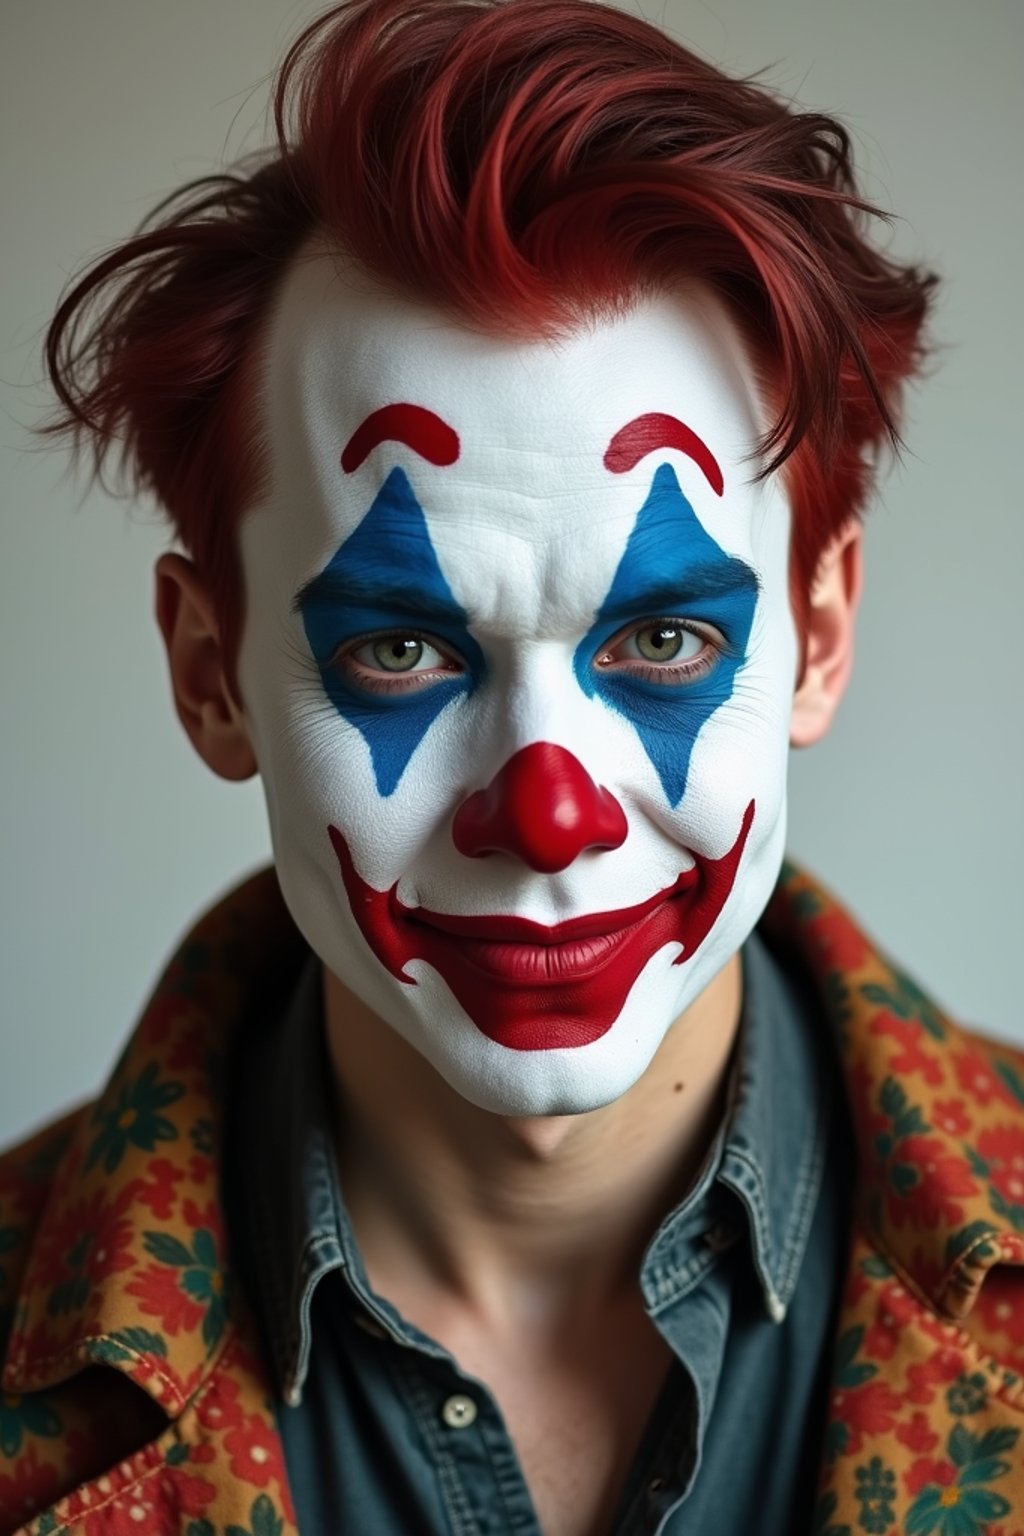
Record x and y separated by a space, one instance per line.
502 1217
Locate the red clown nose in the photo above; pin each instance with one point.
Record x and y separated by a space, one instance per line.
543 807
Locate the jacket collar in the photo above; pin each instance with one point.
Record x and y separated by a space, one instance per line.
936 1110
129 1264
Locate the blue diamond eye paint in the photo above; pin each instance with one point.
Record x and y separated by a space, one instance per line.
386 576
671 568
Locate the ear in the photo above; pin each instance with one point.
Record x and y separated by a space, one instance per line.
828 642
213 721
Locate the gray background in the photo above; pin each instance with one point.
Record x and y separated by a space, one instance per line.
113 836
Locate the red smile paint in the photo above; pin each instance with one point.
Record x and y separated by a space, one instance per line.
531 986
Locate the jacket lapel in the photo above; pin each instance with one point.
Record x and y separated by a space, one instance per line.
923 1429
130 1265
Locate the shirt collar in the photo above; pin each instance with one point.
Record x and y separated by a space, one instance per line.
761 1176
281 1178
778 1137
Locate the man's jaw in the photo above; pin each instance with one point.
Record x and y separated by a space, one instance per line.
533 986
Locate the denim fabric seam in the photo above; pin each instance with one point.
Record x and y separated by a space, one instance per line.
679 1430
311 1267
667 1236
674 1282
805 1199
779 1270
699 1429
749 1185
308 1275
509 1477
453 1495
275 1310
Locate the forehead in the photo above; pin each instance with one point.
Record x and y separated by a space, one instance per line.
533 420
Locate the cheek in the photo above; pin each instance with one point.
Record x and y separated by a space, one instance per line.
742 751
319 771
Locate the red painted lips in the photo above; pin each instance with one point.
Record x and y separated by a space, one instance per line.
534 987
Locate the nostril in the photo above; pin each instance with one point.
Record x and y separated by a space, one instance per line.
542 807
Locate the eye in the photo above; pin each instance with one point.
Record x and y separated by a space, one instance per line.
666 642
397 659
663 651
396 653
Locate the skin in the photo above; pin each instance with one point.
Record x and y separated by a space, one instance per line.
481 1225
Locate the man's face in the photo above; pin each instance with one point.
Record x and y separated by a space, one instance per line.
517 668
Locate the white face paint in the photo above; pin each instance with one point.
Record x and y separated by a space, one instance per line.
517 656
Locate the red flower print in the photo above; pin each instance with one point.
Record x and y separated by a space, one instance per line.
917 1436
76 1252
190 1050
857 1285
27 1486
866 1410
207 1215
1002 1148
183 1493
948 1115
125 1515
219 1408
978 1080
1000 1304
909 1034
942 1367
157 1189
839 943
160 1295
867 1117
255 1451
881 1338
926 1193
925 1471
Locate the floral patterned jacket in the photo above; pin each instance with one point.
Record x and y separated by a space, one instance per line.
134 1396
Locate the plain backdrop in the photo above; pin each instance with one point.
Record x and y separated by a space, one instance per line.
114 836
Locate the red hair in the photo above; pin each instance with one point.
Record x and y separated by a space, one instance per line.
523 164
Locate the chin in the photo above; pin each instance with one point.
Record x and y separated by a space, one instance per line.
564 1080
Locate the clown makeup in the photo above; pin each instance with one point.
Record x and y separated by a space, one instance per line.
518 668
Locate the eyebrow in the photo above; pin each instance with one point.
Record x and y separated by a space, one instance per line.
645 434
696 584
419 429
403 597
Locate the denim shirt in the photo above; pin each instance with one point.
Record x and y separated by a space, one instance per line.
384 1435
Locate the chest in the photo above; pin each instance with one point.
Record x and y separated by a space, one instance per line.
577 1423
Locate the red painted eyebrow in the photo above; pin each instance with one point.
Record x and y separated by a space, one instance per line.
419 429
645 434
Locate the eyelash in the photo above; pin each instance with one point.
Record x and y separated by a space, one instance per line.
379 682
664 676
413 682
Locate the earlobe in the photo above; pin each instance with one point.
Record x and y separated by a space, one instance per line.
829 637
211 719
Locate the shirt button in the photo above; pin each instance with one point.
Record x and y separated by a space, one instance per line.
458 1411
719 1237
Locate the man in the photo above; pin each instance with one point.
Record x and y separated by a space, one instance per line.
543 1161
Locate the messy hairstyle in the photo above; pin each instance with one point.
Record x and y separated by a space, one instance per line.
523 164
